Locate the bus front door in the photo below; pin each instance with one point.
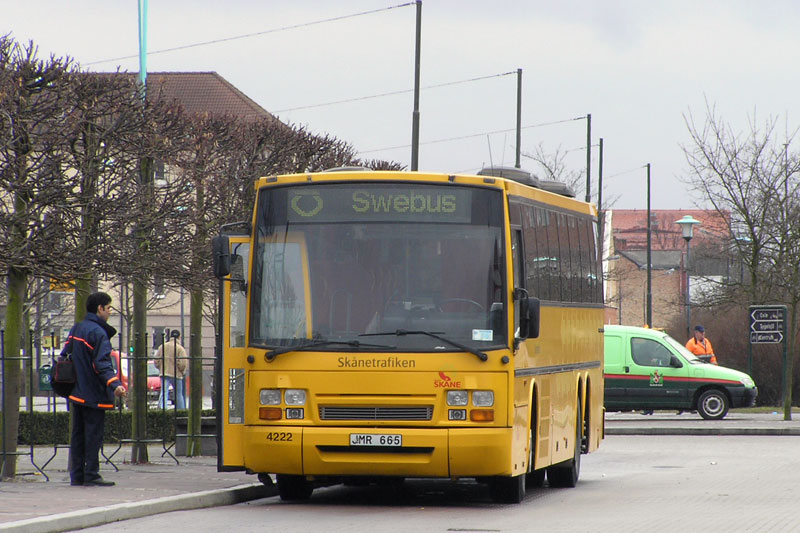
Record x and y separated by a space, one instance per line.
230 374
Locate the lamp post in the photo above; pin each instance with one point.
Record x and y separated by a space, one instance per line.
687 224
648 317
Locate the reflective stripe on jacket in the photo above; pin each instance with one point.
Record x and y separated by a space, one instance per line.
90 344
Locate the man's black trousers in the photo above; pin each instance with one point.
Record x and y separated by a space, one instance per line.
88 425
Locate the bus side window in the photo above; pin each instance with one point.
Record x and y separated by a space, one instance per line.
238 295
517 257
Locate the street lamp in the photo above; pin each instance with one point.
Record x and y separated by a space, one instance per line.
687 224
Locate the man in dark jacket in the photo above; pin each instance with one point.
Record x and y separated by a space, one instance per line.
96 386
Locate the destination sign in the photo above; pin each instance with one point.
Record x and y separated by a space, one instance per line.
771 313
380 203
772 325
773 337
767 324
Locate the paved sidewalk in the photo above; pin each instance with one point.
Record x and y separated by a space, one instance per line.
30 504
691 423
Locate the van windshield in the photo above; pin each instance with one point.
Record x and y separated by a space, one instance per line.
689 356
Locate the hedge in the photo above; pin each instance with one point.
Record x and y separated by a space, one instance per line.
42 428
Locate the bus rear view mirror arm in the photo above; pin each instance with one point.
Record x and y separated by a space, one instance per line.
221 251
529 308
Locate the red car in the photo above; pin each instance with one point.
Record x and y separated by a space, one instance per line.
153 375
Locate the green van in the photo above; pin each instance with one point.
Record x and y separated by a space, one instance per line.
647 369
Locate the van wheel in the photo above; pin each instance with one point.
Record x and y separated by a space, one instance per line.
565 475
294 487
712 404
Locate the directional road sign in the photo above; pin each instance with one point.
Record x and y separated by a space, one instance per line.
767 323
772 337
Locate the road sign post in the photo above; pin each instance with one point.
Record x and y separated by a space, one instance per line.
767 326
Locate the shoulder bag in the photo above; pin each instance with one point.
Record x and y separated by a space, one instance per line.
62 374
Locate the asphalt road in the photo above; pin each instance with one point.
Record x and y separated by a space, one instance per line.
633 483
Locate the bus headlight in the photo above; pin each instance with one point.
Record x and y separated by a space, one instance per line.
295 397
270 397
457 397
483 398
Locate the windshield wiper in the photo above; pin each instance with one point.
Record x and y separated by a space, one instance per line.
275 351
434 334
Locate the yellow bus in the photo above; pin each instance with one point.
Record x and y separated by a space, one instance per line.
383 325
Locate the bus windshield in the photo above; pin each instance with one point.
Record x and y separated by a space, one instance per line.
344 262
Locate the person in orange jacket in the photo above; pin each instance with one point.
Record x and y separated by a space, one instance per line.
700 346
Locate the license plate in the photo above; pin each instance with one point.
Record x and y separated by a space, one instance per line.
372 439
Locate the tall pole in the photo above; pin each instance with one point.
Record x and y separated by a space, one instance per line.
688 293
589 158
601 232
649 317
143 43
183 314
519 116
600 177
415 114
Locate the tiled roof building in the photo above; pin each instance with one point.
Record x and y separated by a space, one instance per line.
204 92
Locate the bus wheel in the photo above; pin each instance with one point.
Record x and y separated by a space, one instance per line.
508 489
294 487
566 474
712 404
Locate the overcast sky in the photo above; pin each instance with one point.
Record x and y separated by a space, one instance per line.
637 67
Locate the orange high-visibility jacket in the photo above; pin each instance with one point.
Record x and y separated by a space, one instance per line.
701 348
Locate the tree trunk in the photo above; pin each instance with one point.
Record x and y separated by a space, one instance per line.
139 387
12 370
193 447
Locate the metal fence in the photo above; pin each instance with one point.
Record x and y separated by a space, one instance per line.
36 395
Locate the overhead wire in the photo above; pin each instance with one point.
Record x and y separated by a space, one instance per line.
461 137
629 171
255 34
392 93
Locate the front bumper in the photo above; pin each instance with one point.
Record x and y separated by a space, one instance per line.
443 453
743 397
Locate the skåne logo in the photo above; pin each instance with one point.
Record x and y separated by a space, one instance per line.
446 382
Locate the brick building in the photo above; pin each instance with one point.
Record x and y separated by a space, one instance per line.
626 262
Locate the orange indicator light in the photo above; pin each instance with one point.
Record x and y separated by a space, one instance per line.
482 415
269 413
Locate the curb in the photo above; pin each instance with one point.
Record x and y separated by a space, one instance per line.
125 511
789 431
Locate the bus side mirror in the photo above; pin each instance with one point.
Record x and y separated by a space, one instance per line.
529 317
221 250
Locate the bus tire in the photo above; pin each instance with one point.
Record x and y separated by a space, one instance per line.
292 487
508 489
565 475
712 404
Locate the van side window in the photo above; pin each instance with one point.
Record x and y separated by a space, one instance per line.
647 352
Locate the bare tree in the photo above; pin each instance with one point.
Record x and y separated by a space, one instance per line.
201 161
553 167
752 176
31 99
